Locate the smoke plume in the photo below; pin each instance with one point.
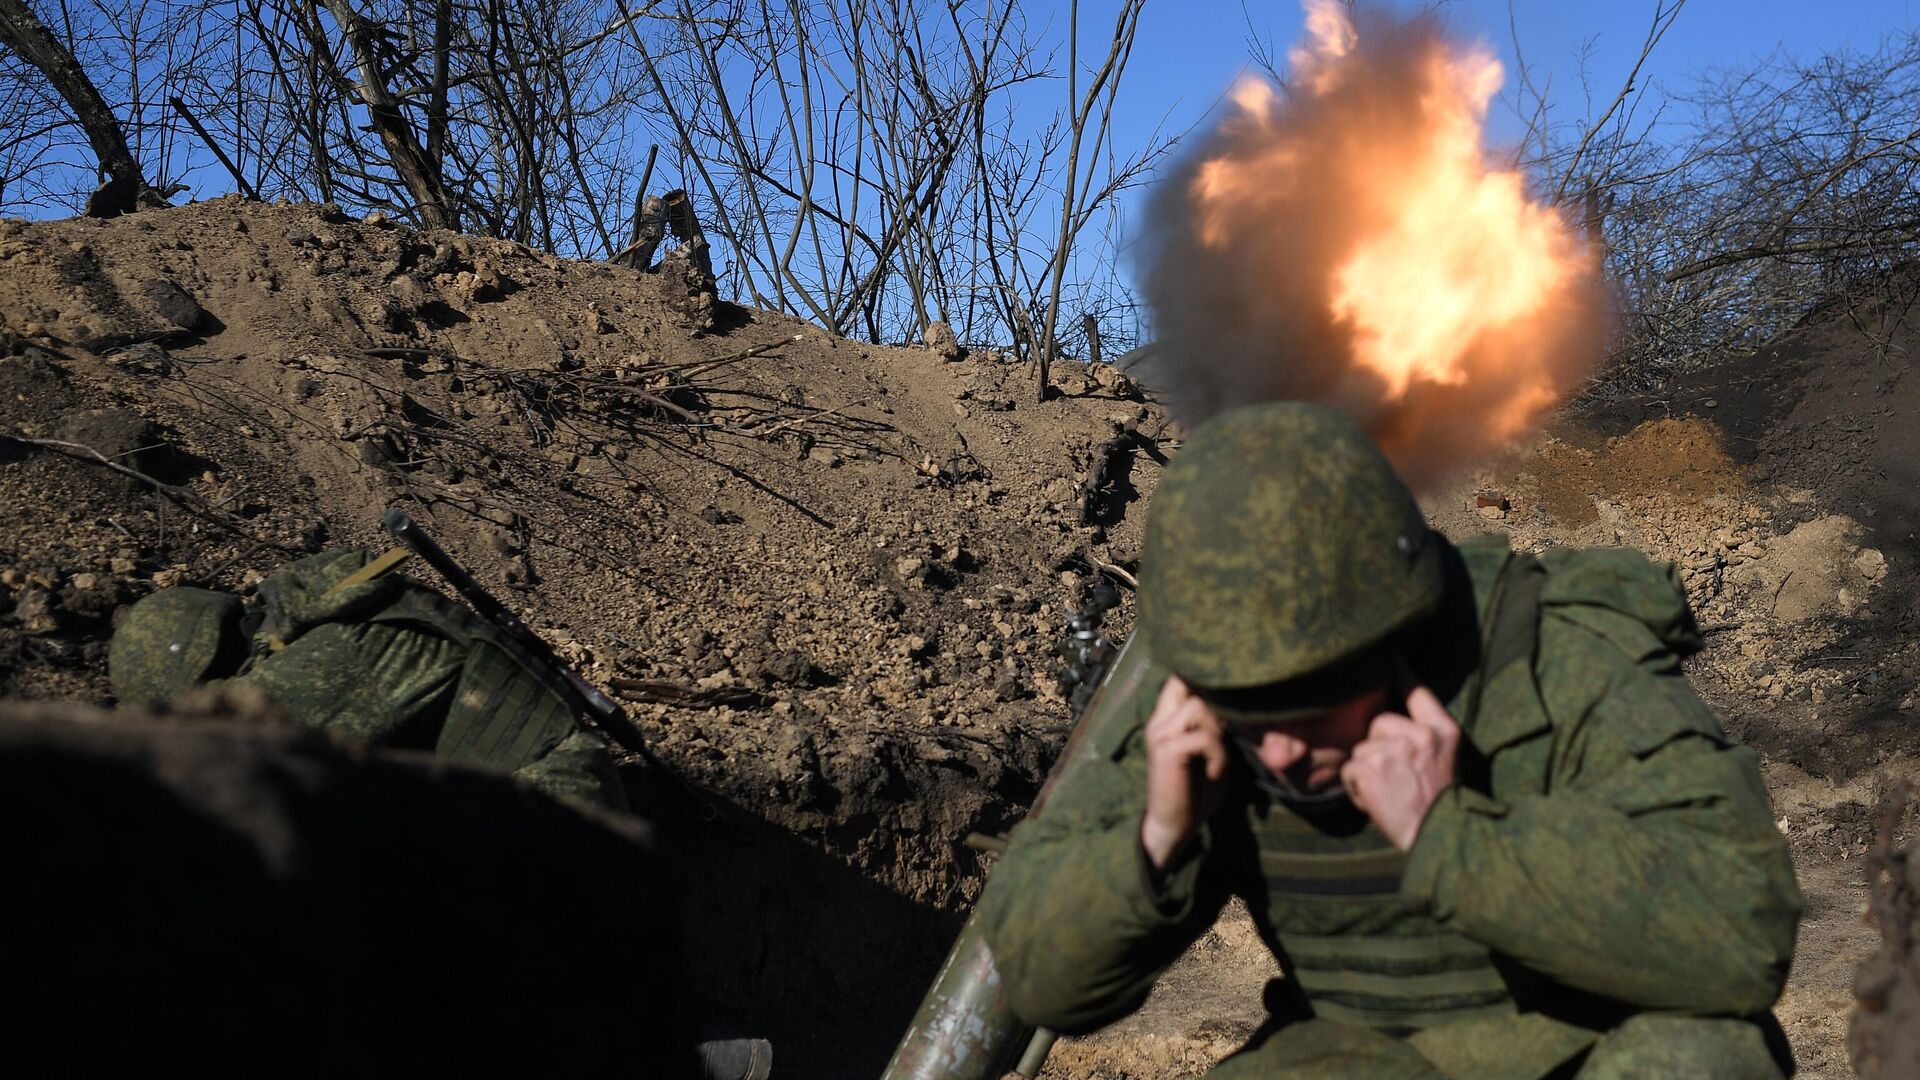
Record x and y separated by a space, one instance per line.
1350 241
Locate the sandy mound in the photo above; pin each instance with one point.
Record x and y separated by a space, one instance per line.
880 544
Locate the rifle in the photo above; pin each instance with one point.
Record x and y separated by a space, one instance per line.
605 713
965 1029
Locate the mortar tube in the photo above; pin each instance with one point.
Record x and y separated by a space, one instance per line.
965 1028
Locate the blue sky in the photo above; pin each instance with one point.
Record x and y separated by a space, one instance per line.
1191 50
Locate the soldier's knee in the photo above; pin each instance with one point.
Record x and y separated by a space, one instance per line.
1671 1045
1325 1050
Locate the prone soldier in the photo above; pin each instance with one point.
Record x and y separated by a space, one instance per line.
348 646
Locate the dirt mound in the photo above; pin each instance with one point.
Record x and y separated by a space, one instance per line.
1677 458
880 544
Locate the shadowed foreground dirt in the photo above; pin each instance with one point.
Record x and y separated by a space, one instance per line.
219 890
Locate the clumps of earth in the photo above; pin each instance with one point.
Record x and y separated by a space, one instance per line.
848 566
833 576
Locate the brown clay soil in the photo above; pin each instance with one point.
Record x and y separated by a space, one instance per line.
878 544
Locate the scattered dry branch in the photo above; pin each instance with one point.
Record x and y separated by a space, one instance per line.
179 496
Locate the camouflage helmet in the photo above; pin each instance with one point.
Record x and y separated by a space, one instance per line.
1280 548
172 640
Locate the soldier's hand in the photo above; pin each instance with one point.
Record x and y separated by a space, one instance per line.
1403 765
1186 771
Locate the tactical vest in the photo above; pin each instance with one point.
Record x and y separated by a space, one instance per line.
1353 951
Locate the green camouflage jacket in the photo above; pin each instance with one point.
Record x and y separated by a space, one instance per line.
384 662
390 662
1606 864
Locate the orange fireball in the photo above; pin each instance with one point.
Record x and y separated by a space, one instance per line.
1353 242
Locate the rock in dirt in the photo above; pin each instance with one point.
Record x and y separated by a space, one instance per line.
1114 381
34 614
170 303
110 308
123 437
1008 688
942 342
92 596
791 669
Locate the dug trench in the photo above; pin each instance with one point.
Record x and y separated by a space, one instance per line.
832 577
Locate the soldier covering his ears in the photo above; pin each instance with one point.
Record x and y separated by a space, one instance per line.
1469 798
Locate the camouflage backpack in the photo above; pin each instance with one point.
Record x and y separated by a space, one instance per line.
349 647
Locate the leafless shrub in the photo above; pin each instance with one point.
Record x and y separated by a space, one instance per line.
1740 207
872 165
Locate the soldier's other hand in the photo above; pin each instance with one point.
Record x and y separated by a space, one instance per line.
1186 771
1403 765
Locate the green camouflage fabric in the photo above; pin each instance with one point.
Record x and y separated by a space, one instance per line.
346 660
1602 893
391 663
1269 512
173 640
502 714
578 768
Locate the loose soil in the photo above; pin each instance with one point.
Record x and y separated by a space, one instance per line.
856 562
876 546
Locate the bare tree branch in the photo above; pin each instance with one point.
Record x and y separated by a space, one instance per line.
125 190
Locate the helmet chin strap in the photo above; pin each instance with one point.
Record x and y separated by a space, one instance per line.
1284 791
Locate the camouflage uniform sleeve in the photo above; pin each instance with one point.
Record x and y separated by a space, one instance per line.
581 768
1649 870
1077 925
